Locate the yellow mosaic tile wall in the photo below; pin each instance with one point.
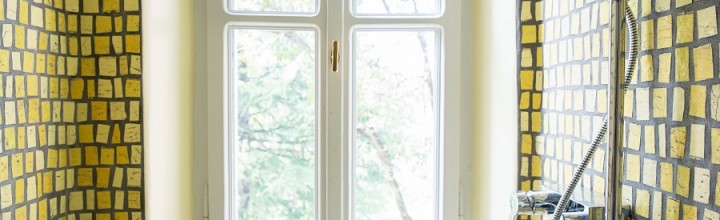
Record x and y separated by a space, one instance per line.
72 119
672 115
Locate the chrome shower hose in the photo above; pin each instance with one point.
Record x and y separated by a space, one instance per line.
629 69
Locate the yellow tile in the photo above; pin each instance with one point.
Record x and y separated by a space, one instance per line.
134 111
646 8
23 15
646 68
43 39
678 104
689 212
662 5
9 137
33 112
633 167
103 24
68 111
19 191
105 88
672 212
717 190
111 5
133 24
707 22
52 160
17 165
102 133
107 156
680 3
136 157
28 62
91 156
91 88
91 6
86 24
102 45
99 110
102 216
118 24
103 177
664 32
76 201
82 112
88 66
50 19
681 64
86 133
526 80
85 177
642 203
134 199
634 132
116 134
77 88
715 145
21 212
75 157
19 37
121 215
132 43
647 35
117 111
4 61
132 88
682 187
73 45
666 177
122 155
132 5
536 166
698 98
72 23
4 168
629 104
108 66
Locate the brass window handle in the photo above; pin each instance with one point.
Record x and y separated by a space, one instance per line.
335 56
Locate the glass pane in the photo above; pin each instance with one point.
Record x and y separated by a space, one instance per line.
396 124
289 7
397 7
274 147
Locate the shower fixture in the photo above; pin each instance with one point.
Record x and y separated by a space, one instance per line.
567 205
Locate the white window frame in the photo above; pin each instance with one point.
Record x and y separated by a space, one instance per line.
212 176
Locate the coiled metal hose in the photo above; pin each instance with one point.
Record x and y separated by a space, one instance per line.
629 70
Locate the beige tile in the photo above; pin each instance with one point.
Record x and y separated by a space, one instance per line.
649 174
682 69
685 25
647 35
703 62
642 203
678 104
715 102
633 168
707 22
697 141
664 32
677 140
698 98
667 176
701 182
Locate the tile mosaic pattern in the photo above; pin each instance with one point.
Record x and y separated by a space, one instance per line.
72 120
531 85
672 115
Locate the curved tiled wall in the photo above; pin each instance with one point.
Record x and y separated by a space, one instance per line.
672 115
72 119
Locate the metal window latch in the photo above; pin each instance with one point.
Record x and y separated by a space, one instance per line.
335 56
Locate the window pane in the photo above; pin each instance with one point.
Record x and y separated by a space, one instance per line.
397 7
396 126
274 147
279 7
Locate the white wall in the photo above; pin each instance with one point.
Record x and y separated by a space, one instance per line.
495 119
168 91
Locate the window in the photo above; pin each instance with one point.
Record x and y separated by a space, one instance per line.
289 137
